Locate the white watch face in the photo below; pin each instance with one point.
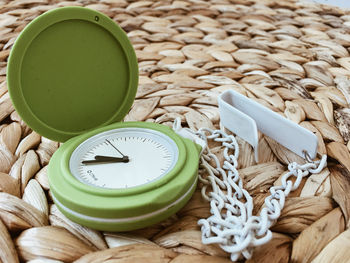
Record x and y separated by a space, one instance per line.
124 158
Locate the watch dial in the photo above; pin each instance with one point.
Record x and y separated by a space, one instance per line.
124 158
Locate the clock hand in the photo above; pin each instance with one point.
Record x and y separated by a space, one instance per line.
115 148
103 157
106 159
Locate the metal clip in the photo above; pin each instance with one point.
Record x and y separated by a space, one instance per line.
244 117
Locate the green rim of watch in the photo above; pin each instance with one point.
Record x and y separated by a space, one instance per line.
72 70
120 203
74 143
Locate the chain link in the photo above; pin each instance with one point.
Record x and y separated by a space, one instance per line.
232 224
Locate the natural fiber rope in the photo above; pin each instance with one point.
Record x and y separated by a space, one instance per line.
290 56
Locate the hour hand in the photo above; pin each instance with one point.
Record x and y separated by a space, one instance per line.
124 159
106 159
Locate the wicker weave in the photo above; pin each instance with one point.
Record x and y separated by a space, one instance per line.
289 56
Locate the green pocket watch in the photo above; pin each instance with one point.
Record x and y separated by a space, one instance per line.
72 76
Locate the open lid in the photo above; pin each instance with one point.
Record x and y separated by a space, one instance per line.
71 70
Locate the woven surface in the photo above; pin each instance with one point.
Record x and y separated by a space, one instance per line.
290 57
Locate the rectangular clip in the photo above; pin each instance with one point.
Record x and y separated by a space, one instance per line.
244 117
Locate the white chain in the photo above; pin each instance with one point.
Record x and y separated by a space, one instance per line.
232 224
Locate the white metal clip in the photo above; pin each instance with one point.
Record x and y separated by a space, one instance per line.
244 117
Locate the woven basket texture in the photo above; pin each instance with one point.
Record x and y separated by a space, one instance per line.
292 57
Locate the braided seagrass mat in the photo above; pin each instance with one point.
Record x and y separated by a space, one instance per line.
289 56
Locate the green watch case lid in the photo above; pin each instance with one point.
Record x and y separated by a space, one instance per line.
72 70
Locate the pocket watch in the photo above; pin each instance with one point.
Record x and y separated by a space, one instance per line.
72 77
